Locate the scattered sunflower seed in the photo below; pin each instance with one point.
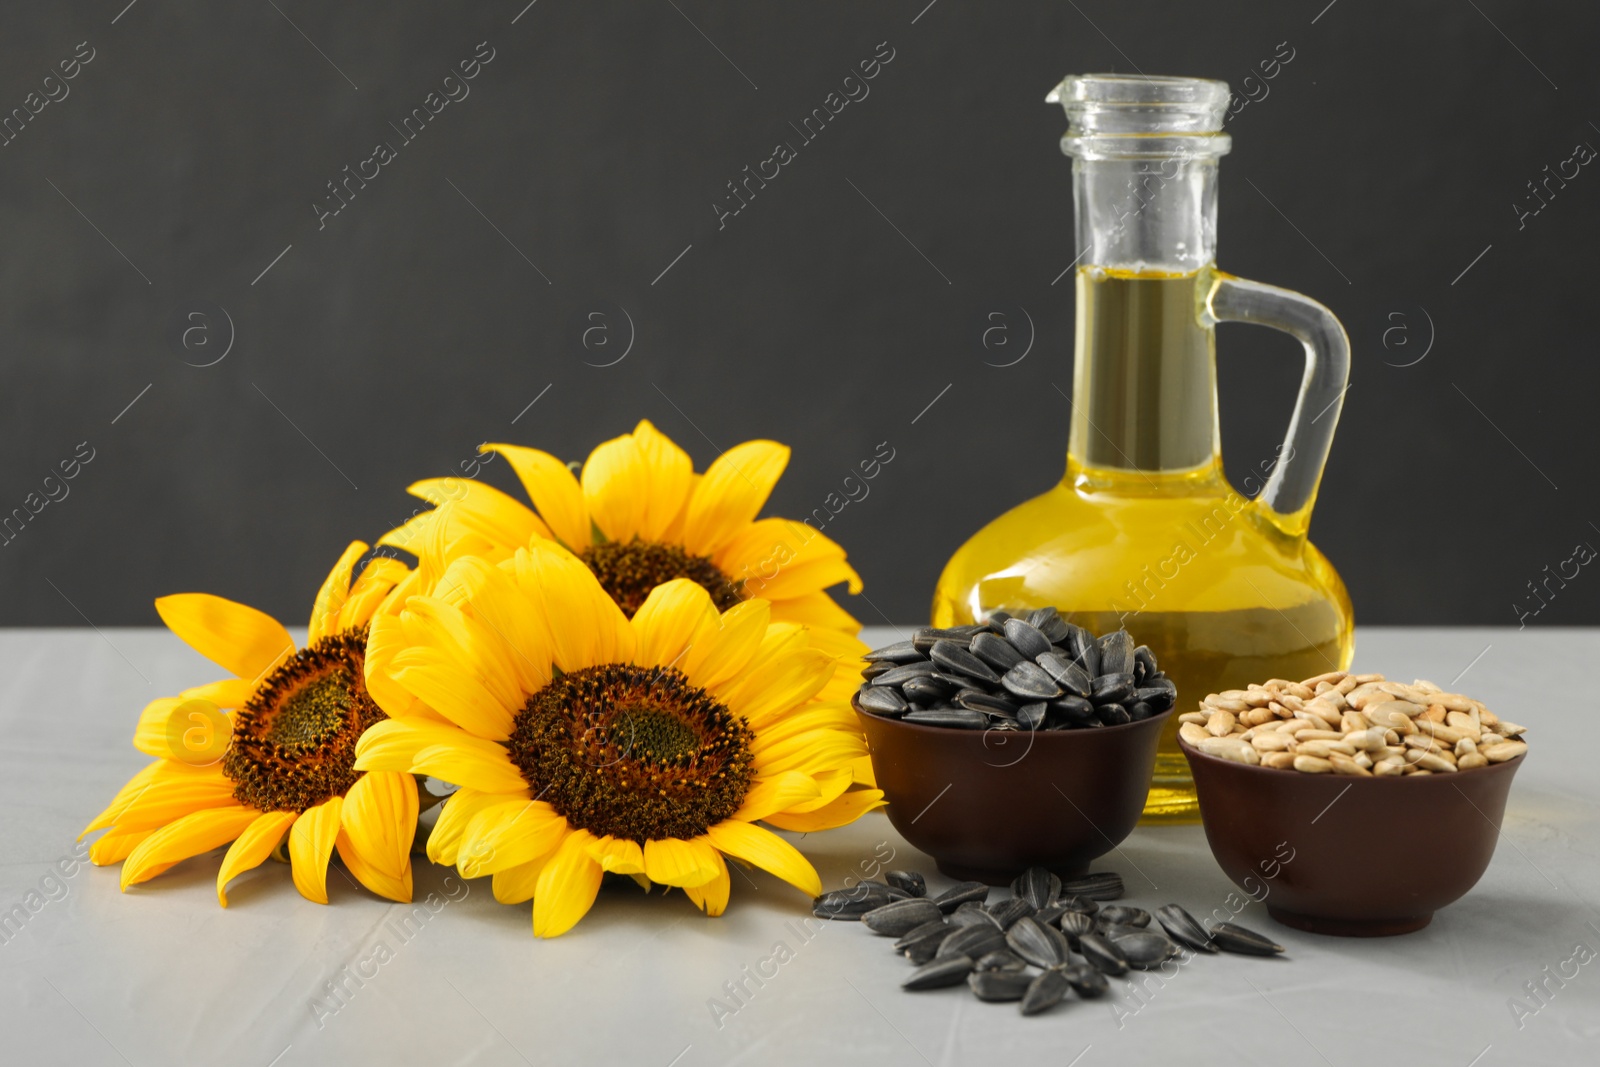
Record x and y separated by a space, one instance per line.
1231 937
947 970
900 917
1000 985
907 882
960 893
1045 992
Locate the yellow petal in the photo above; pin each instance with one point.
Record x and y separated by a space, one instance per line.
847 809
804 720
380 817
331 597
377 583
670 861
509 835
515 885
500 607
136 785
777 793
169 795
861 770
453 692
711 898
731 493
617 855
393 744
115 846
593 629
487 772
818 611
668 473
251 848
311 841
235 637
830 786
615 487
554 492
768 851
412 533
778 559
197 832
450 636
459 810
673 619
567 887
773 688
483 509
389 886
720 657
150 734
228 693
387 640
812 753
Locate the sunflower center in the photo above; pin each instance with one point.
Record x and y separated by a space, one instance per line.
629 570
294 741
633 752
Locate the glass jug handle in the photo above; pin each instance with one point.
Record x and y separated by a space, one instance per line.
1292 488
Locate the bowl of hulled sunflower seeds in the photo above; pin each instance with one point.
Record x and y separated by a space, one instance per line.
1387 797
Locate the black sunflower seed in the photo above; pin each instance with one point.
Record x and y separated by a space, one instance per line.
907 882
1102 885
957 660
1146 949
936 929
1007 912
924 639
1088 654
1066 673
1159 693
1103 954
1144 662
1111 689
1026 638
1077 901
960 893
883 701
1029 681
999 985
996 651
1046 991
1050 914
1049 622
1087 982
1037 886
973 941
996 622
1074 924
943 971
1042 946
1121 913
899 652
1001 960
1139 711
1032 716
986 702
1113 715
869 673
928 691
903 673
1116 653
958 717
972 913
1183 928
901 916
1231 937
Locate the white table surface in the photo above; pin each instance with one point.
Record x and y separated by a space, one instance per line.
162 975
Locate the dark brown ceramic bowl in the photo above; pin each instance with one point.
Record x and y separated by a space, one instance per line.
987 805
1367 857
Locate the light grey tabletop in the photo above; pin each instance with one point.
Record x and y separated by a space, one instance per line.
162 975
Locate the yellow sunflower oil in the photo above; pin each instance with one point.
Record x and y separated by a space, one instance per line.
1145 531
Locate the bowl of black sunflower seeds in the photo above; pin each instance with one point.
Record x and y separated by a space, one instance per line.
1022 741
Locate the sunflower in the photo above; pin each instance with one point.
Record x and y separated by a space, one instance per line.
638 516
584 741
286 759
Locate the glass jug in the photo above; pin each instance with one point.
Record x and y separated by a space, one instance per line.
1145 531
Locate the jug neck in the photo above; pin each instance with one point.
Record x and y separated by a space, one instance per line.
1144 174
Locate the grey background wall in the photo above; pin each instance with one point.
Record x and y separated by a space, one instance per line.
1384 169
